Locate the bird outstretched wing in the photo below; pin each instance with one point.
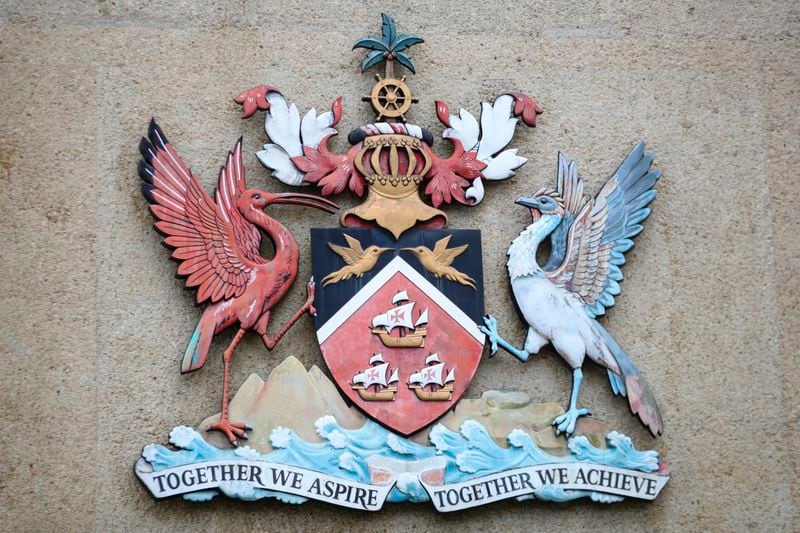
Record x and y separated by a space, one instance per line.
603 229
445 256
570 190
230 185
350 255
354 244
216 247
570 186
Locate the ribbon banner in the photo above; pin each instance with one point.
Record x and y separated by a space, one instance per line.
238 478
531 479
237 474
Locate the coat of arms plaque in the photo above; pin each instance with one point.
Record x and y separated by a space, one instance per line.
398 304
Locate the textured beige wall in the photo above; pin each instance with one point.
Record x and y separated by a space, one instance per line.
93 321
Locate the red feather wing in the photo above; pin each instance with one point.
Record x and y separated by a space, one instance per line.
230 186
205 236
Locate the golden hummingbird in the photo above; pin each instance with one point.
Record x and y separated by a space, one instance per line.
438 260
358 261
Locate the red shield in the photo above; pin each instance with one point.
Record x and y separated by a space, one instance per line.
400 349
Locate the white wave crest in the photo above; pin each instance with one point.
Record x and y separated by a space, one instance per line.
337 439
246 452
182 436
280 437
347 461
324 425
238 489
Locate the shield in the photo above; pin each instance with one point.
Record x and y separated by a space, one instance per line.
397 319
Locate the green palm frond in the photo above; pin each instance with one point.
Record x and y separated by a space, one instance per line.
404 41
404 60
389 43
371 42
373 58
388 28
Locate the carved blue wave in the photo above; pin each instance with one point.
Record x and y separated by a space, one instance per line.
470 453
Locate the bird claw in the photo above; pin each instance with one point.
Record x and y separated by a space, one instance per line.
566 423
490 330
232 430
311 292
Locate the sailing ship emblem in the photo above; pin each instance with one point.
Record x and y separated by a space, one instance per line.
371 383
427 383
421 329
410 333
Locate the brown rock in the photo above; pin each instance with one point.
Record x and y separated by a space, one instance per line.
313 395
502 411
263 405
594 430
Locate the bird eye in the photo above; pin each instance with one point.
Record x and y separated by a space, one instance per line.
256 196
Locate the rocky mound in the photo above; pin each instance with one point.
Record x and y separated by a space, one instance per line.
501 411
290 397
295 398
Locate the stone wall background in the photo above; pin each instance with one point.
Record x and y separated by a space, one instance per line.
93 322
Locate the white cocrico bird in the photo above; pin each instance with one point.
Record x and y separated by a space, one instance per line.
561 299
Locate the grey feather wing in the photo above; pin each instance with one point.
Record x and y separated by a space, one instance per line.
570 189
597 243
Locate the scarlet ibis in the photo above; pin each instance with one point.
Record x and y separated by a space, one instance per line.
217 246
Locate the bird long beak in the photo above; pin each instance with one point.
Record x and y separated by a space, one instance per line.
528 202
532 204
407 250
307 200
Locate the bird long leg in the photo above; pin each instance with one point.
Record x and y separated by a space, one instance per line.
490 330
566 422
263 322
232 430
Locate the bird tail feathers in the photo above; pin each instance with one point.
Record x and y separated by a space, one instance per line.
196 351
617 384
335 277
632 385
463 279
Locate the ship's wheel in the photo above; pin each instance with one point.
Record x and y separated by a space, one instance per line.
391 98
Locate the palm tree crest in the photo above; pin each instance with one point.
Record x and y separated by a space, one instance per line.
390 46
